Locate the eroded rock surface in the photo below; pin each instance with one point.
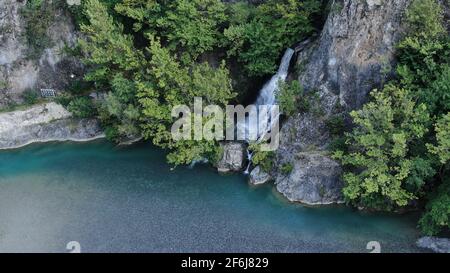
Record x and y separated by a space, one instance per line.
19 72
233 159
43 123
314 180
438 245
352 56
259 177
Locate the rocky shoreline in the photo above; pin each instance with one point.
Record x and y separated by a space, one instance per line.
437 245
45 123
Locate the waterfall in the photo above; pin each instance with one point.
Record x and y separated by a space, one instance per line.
267 96
249 159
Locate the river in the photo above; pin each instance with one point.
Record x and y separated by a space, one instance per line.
127 199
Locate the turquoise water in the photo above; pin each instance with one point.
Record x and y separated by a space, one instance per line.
127 199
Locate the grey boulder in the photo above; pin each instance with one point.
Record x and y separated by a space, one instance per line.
233 158
314 180
438 245
259 177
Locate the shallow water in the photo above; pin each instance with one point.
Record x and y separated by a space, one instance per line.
127 199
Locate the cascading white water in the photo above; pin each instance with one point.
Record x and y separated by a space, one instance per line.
249 158
267 96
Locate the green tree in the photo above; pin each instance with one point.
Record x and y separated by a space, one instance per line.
442 149
382 172
271 27
169 84
113 61
437 215
290 97
189 27
30 96
424 56
109 49
424 18
82 107
264 159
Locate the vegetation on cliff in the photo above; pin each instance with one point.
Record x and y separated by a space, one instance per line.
399 149
152 55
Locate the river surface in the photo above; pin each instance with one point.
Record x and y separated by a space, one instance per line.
127 199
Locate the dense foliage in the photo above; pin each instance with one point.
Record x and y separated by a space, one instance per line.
290 97
264 159
257 34
151 55
399 148
385 173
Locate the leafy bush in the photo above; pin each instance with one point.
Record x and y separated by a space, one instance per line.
287 168
425 18
3 85
290 97
264 159
112 133
270 28
78 87
338 144
63 99
437 215
30 96
336 125
82 107
383 172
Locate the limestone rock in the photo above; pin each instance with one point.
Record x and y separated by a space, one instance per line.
43 123
51 70
348 60
356 45
259 177
314 180
438 245
233 159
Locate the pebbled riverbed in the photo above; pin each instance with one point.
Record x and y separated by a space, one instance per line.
126 199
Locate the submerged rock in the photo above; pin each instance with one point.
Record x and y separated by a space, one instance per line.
233 158
259 177
313 180
43 123
438 245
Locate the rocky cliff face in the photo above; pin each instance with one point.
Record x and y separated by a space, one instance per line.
18 72
43 123
352 56
356 48
438 245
